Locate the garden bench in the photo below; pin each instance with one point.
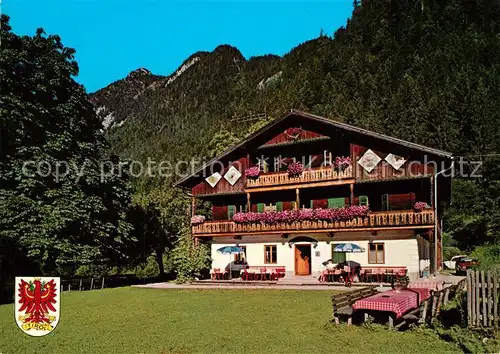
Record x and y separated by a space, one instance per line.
342 303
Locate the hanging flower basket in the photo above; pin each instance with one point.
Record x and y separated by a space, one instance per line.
291 216
197 220
342 162
252 172
419 206
295 169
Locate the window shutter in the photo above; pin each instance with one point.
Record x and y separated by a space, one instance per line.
385 202
260 207
279 206
363 200
336 203
327 158
230 211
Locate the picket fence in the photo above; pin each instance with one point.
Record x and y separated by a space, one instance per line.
483 290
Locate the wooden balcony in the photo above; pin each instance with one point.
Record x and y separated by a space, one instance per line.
308 176
374 221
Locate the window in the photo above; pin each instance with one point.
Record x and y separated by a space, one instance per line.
327 158
337 257
241 257
270 254
376 254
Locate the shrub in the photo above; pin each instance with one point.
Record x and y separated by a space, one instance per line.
197 219
189 260
489 256
148 269
450 251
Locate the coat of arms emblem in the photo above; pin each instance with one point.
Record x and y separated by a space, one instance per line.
37 304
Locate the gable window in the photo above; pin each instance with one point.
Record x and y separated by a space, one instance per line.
327 158
376 253
263 163
270 254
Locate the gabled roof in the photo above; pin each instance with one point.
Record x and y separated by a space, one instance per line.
304 116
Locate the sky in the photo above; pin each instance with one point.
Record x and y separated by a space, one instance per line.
113 38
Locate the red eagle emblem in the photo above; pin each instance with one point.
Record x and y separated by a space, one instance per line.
37 299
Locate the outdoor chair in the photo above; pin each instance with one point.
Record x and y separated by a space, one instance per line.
389 275
246 275
366 275
378 275
337 275
217 274
262 275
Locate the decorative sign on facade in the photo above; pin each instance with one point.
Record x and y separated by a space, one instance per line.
37 306
369 160
293 133
232 175
395 161
213 179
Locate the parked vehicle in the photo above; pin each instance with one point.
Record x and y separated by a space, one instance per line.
452 262
464 263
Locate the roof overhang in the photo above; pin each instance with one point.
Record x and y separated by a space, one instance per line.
264 134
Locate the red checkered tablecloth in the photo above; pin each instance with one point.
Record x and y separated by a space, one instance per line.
390 301
429 284
424 293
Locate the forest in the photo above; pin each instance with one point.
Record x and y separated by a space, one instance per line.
424 71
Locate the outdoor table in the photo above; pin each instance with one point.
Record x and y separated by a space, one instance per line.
256 271
393 301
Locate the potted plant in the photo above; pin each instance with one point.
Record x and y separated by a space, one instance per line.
197 220
419 206
401 283
342 162
252 172
295 169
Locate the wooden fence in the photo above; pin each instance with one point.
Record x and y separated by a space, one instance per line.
82 284
483 290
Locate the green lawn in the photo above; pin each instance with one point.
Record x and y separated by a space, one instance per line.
131 320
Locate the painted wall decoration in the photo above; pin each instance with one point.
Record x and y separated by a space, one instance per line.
369 160
213 179
395 161
232 175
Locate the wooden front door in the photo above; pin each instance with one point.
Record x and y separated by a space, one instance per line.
302 259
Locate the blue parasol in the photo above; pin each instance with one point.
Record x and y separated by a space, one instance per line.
348 248
230 250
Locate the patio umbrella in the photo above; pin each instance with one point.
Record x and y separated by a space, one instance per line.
348 248
230 250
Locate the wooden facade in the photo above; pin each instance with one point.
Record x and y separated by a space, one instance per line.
389 192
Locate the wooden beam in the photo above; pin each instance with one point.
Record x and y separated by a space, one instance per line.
352 193
249 204
193 205
337 237
297 198
300 185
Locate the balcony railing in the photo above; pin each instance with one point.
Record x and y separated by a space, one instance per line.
308 176
387 219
